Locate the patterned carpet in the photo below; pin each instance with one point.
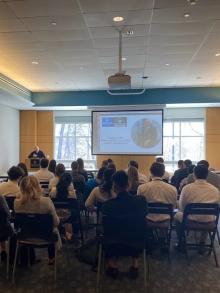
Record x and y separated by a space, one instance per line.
201 275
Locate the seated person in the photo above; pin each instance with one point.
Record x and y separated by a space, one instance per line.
185 180
52 166
158 191
44 175
122 204
166 176
142 177
24 168
101 193
31 200
11 187
81 169
199 191
94 182
60 169
180 174
6 229
78 179
212 178
62 192
133 180
37 153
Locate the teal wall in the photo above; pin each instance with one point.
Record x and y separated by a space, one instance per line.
151 96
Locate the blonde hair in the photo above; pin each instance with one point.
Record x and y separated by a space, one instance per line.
30 189
133 179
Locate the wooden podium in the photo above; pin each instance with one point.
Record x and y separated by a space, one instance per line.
33 164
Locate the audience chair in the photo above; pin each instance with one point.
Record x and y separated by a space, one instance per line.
45 187
72 206
157 208
4 238
200 209
34 230
127 231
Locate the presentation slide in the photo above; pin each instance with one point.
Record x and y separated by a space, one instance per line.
127 132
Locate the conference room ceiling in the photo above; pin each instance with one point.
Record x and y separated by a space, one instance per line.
50 45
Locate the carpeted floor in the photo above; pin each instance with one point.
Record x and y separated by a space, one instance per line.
201 275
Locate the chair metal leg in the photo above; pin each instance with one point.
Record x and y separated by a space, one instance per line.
15 262
145 270
212 238
8 257
218 237
55 264
99 268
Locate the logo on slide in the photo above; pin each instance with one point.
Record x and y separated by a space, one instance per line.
146 133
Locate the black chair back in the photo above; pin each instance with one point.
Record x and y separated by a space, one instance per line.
30 225
127 228
10 201
160 208
201 209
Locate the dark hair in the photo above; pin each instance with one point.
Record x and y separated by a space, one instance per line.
105 163
201 171
14 173
191 168
107 184
120 179
180 163
133 163
52 166
63 185
74 165
203 162
44 163
80 164
157 169
188 163
100 174
110 161
160 160
60 169
24 168
112 166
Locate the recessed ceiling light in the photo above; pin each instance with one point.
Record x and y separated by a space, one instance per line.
123 58
118 18
167 64
217 54
53 23
35 62
192 2
186 15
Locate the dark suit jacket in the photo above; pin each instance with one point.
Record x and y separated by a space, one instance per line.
39 155
178 176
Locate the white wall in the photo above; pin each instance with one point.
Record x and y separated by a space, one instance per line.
9 138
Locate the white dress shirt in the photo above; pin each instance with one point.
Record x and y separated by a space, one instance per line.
199 191
44 175
158 191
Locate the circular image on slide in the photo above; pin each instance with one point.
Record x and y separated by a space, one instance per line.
146 133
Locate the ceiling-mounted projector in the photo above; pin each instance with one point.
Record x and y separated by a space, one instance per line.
119 80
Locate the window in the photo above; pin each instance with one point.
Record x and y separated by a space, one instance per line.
72 141
183 140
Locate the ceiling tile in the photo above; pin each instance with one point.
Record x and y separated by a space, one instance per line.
194 28
11 25
31 8
114 5
69 35
62 23
130 18
5 11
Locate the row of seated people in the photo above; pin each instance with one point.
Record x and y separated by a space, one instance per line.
155 191
30 200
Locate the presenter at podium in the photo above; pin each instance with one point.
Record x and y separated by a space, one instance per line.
37 153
